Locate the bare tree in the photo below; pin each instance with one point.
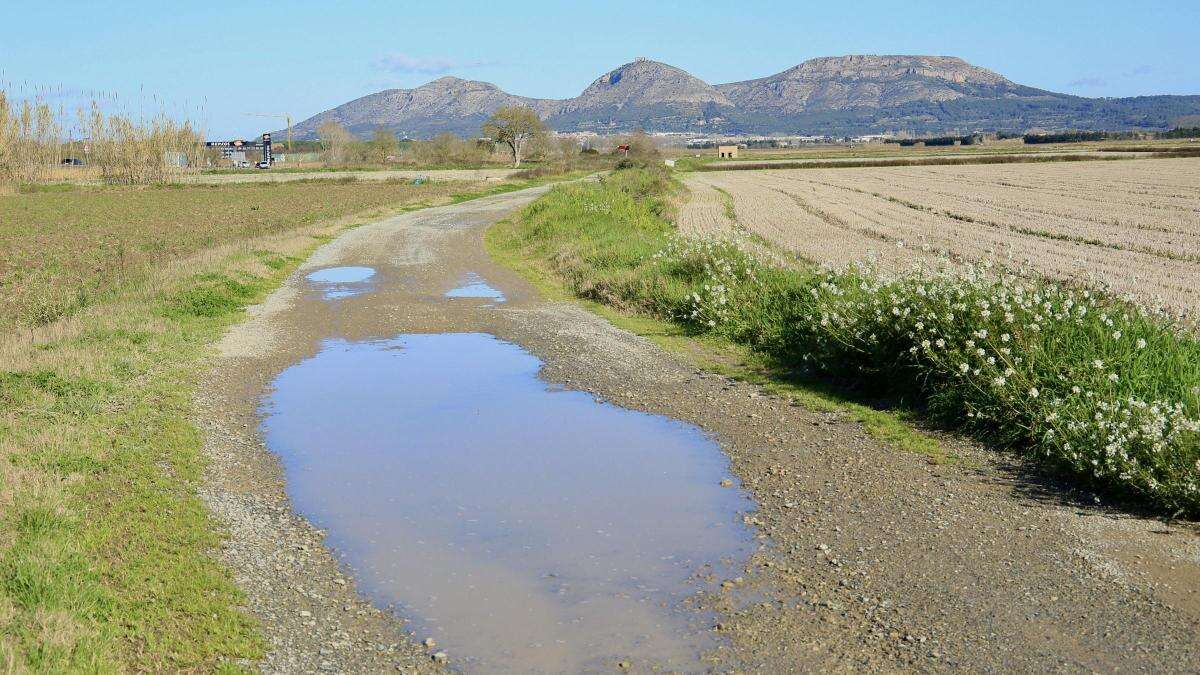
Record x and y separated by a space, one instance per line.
383 146
514 126
336 141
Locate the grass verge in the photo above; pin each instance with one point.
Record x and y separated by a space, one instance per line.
1095 387
714 352
105 547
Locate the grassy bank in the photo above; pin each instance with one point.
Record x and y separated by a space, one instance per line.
63 248
105 549
1095 387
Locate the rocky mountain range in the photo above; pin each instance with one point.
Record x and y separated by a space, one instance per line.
825 96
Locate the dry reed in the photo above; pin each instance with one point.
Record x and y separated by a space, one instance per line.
117 148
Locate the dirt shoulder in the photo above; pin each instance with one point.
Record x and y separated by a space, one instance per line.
871 559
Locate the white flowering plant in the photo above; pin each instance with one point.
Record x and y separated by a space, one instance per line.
1103 387
716 272
1100 385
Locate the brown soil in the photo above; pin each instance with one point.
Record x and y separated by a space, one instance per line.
871 559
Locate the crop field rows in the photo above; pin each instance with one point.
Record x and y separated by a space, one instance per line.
1133 226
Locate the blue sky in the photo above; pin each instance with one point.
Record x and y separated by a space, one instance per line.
216 61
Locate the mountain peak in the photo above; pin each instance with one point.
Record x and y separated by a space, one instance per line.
869 81
451 83
643 82
835 95
894 66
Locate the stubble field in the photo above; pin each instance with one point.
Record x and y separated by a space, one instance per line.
1131 225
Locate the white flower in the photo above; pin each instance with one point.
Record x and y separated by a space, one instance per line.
1034 393
1141 344
963 367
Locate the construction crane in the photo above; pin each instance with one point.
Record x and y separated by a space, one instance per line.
287 118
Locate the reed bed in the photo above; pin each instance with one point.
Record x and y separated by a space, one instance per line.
41 144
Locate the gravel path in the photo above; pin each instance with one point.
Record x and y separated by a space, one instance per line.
871 559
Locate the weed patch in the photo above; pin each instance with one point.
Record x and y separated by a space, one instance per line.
1095 386
210 296
106 549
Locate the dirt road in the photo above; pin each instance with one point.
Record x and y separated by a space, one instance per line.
870 559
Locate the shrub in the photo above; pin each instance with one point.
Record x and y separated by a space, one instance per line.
1097 386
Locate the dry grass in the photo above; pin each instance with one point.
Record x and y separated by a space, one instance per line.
119 149
62 249
1132 225
105 548
29 141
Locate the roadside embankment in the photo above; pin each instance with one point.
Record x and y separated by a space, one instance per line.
112 298
1094 386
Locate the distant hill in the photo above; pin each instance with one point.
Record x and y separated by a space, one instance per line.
833 95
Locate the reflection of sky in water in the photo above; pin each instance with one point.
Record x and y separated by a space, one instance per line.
527 528
342 282
474 286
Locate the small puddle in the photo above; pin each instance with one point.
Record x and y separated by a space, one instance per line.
474 286
342 282
525 527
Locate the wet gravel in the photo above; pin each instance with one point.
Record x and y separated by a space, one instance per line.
870 558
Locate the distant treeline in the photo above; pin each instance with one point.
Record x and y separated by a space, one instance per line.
1077 137
970 139
1085 136
1182 132
1056 137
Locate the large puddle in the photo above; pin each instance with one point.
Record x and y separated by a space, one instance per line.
342 282
524 527
474 286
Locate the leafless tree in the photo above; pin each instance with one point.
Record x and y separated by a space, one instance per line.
336 141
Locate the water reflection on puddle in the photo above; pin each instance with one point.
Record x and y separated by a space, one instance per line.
474 286
526 528
342 282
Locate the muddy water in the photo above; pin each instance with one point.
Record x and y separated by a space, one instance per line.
526 528
474 286
342 282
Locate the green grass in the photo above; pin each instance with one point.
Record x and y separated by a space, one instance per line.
553 265
63 249
106 550
106 559
1090 385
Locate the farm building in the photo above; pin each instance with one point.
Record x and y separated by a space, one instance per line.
727 151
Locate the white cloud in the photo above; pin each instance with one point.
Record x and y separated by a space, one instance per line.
424 65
